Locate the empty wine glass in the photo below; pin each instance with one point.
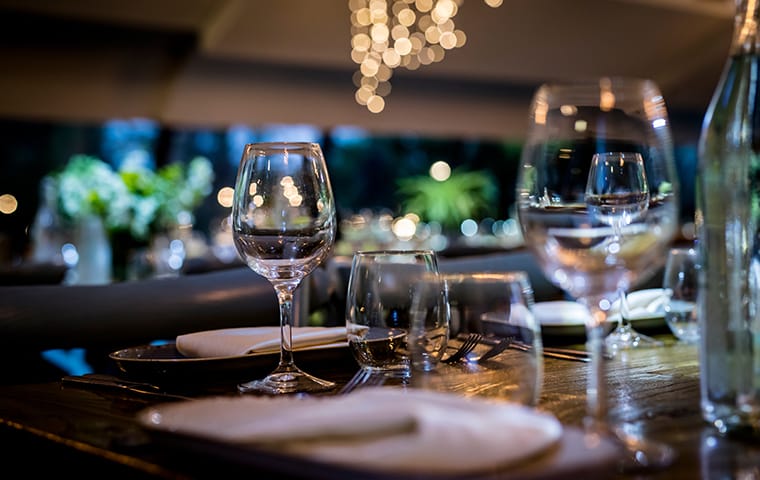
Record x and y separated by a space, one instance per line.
591 256
680 283
283 225
617 195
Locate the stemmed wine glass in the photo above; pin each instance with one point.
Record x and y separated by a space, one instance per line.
584 242
283 225
617 195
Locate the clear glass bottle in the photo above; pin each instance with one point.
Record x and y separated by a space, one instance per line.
728 229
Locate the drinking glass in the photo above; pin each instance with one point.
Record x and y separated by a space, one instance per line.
498 306
385 292
595 253
617 195
283 225
680 284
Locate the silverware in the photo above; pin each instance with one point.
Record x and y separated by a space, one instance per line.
363 378
111 382
468 345
503 344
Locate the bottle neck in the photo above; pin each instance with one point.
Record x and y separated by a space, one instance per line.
745 40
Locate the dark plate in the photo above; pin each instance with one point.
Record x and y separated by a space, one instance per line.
164 364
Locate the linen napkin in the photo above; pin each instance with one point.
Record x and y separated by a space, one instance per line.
642 304
229 342
377 428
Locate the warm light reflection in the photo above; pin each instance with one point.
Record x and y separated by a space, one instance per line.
568 110
440 171
224 196
606 97
8 203
387 34
404 228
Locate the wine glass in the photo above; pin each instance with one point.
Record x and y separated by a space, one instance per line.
283 225
680 283
579 243
617 195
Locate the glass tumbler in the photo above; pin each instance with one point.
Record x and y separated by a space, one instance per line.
507 363
385 293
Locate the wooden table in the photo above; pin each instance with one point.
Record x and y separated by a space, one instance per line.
66 428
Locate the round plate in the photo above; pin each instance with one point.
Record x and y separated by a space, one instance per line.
164 364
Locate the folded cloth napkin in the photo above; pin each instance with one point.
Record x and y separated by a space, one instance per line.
230 342
377 428
642 304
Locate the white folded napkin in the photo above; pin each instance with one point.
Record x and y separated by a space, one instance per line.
377 428
230 342
560 312
646 303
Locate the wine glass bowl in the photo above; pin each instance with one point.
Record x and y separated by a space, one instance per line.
283 226
597 201
616 191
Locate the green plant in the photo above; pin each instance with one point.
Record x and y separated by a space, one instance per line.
465 194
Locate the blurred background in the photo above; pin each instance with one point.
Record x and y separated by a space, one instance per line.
422 149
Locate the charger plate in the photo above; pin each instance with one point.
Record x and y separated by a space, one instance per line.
164 364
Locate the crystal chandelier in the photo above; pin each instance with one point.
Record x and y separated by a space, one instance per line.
386 34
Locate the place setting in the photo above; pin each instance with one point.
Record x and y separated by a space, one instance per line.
449 368
421 405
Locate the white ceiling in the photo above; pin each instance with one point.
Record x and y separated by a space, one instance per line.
299 49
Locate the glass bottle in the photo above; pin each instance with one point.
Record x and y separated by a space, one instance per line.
728 225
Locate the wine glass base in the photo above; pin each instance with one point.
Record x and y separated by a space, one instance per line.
641 455
626 338
291 381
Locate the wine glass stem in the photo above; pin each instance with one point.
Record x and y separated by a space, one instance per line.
623 320
285 300
596 389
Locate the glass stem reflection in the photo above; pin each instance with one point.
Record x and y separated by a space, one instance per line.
596 392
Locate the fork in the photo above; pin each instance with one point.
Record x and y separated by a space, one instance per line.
502 345
470 342
363 378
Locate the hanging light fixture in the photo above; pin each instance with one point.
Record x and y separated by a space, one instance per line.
387 34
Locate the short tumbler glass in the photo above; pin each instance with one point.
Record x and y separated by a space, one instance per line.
508 362
387 290
680 286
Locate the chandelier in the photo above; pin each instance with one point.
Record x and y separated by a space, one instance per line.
387 34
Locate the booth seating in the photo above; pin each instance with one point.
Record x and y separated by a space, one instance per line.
101 319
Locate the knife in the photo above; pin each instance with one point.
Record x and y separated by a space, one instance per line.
111 382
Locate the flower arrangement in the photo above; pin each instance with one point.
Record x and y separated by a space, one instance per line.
135 199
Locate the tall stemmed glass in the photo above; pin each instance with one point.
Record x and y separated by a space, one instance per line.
617 194
593 256
283 225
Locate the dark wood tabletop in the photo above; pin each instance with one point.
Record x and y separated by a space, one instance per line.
68 427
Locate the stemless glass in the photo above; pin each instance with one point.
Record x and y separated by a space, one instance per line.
592 256
283 225
380 303
498 306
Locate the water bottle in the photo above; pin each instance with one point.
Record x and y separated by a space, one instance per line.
728 224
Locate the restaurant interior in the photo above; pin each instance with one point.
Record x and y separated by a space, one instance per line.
179 87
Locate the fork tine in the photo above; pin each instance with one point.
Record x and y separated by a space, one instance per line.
469 344
359 378
362 378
